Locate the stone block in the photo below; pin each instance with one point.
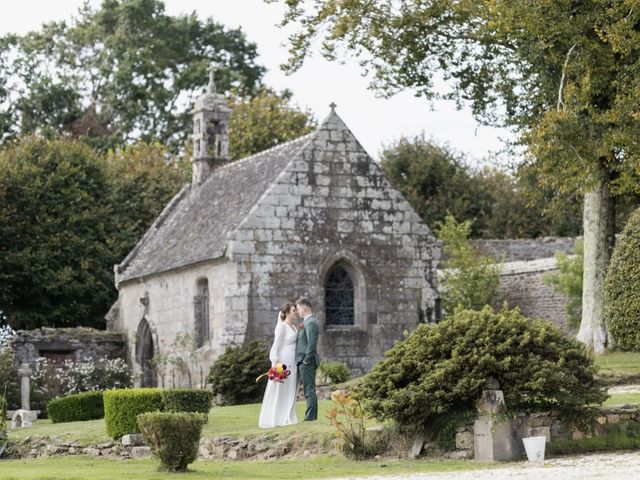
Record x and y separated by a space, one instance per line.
497 439
132 440
491 402
23 418
140 452
464 440
613 418
544 431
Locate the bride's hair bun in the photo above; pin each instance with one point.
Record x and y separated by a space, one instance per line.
284 310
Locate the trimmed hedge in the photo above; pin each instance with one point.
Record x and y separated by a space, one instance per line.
121 407
76 407
622 288
187 400
172 437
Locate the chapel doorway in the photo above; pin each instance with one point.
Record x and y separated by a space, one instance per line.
144 355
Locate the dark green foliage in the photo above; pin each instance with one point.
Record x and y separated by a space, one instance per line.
336 372
121 407
54 231
68 215
76 407
173 437
442 369
622 288
187 400
233 374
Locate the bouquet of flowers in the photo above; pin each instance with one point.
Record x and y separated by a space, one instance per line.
278 373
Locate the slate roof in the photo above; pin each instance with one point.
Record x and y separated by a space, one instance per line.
194 225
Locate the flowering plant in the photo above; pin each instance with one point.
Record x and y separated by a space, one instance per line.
278 373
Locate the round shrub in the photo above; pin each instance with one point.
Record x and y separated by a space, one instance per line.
121 407
336 372
622 288
172 437
187 400
440 370
233 375
76 407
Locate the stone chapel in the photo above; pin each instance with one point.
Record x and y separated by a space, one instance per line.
314 216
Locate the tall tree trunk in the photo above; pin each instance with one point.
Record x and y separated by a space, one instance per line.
598 225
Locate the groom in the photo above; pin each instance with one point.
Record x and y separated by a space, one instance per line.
307 356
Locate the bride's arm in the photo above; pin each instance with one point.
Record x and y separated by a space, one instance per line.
277 343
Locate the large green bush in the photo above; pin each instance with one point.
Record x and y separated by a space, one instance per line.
187 400
441 370
76 407
173 437
233 375
622 288
121 407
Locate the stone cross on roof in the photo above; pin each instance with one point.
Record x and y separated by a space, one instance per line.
212 84
333 106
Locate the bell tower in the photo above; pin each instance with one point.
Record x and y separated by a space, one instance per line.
210 132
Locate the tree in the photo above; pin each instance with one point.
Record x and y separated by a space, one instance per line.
470 280
562 74
435 180
67 215
265 120
54 227
123 72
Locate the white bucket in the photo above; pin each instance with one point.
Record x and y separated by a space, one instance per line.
534 446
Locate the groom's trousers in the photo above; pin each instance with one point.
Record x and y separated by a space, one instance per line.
308 377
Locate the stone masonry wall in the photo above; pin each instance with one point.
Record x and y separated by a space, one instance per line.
521 284
335 205
81 344
525 249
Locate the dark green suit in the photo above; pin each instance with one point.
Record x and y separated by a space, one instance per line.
308 362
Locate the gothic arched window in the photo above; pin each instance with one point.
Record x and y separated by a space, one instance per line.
339 297
144 354
201 312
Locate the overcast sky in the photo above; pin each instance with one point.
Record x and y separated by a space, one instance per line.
375 121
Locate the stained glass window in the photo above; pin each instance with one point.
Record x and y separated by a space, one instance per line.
339 297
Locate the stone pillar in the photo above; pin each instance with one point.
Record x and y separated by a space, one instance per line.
496 437
25 387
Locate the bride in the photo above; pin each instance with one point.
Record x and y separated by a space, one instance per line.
279 403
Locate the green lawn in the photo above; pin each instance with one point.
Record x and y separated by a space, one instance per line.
623 399
70 468
241 420
619 366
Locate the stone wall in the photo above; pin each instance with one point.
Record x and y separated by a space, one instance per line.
525 249
550 426
335 206
166 302
77 344
521 285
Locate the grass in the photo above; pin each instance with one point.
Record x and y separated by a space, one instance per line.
234 421
70 468
619 367
623 399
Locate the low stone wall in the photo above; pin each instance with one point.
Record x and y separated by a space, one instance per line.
525 249
550 426
76 344
522 285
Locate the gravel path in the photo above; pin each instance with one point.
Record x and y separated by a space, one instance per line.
605 466
624 389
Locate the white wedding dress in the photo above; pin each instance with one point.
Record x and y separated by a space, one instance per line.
279 403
